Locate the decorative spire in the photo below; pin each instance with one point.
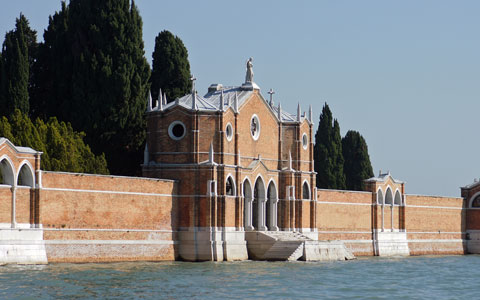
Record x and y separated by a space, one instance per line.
271 92
298 112
229 100
164 99
279 111
160 101
149 102
310 114
210 155
235 103
220 104
194 93
146 155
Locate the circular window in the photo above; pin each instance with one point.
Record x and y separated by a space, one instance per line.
305 141
176 130
255 127
229 132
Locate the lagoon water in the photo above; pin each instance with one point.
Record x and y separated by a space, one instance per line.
439 277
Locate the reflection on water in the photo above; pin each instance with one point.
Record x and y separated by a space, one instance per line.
447 277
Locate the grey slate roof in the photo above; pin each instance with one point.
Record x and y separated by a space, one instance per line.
210 102
18 148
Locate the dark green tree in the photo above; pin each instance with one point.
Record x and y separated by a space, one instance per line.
328 158
98 77
16 63
63 149
170 67
357 166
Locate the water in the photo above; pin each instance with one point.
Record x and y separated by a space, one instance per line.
447 277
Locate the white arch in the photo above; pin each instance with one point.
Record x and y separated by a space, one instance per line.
380 195
305 182
248 198
8 170
470 202
259 200
397 193
272 206
234 186
26 171
388 196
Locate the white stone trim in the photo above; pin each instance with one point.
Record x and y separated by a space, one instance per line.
257 134
305 181
304 142
470 201
110 242
234 186
343 203
170 130
30 169
12 168
114 192
229 138
438 207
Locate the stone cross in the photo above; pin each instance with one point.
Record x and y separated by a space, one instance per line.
271 92
192 79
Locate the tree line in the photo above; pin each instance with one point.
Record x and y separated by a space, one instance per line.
90 72
79 95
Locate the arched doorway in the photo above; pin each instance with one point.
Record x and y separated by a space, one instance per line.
271 207
259 205
247 214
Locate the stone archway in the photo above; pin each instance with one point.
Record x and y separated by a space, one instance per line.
271 207
258 205
247 214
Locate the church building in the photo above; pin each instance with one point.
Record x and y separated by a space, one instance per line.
243 165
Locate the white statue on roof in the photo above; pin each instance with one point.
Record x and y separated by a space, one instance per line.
249 76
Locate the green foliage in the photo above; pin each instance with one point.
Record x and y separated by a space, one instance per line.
328 158
357 164
15 67
63 149
171 69
97 78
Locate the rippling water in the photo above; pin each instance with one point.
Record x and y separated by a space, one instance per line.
447 277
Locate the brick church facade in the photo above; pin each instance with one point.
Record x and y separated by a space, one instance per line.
227 176
242 163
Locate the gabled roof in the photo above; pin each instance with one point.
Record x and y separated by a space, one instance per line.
471 185
383 178
18 149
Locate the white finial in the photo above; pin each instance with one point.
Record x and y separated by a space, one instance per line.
145 155
298 112
160 101
279 111
194 93
310 114
239 158
221 102
271 92
229 100
164 98
379 173
149 102
235 103
210 155
290 160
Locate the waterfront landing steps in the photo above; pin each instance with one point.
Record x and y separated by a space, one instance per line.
291 246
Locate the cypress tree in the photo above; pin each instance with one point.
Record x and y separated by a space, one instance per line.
171 69
357 166
328 158
16 64
99 77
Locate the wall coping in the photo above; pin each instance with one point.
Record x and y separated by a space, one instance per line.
433 196
344 191
110 176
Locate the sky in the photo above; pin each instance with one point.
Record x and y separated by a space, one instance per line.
405 74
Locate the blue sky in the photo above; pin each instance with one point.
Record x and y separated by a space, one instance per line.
406 74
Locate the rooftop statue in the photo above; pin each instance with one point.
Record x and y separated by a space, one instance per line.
249 76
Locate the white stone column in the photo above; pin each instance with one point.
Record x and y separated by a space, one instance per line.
392 216
248 214
14 196
383 217
274 215
261 214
